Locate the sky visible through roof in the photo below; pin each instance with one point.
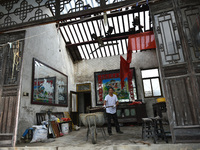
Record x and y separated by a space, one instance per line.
81 32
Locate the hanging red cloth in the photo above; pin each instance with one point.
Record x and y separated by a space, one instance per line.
124 70
129 54
141 41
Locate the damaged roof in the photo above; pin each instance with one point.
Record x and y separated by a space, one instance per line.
104 34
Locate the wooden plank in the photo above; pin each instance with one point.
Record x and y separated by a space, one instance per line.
170 106
188 107
10 114
14 112
5 143
55 128
1 112
5 113
6 136
184 98
175 93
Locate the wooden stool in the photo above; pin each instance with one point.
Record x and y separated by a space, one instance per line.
158 128
148 129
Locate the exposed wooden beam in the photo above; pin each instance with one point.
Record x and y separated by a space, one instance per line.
71 15
114 14
103 39
108 38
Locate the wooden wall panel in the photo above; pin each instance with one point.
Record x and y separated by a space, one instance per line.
9 85
179 61
179 94
8 114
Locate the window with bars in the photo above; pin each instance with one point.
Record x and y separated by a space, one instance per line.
151 83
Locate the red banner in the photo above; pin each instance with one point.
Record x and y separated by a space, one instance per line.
141 41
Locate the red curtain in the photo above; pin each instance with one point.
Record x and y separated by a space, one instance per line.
140 41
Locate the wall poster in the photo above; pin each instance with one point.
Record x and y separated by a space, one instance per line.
106 79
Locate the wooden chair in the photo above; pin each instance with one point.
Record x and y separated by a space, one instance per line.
40 117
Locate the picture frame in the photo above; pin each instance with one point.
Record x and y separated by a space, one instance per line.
58 94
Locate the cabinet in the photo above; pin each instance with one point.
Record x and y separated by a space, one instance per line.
131 113
127 113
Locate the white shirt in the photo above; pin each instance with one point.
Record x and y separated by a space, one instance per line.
111 101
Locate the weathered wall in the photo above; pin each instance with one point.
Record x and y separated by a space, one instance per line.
45 47
84 71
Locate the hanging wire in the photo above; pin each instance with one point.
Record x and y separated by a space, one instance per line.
10 43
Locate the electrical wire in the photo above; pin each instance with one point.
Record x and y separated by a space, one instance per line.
22 39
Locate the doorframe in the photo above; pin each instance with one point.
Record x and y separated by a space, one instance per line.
85 91
70 101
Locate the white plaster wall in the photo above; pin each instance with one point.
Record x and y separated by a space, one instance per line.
84 71
45 47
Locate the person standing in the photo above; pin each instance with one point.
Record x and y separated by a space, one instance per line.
110 103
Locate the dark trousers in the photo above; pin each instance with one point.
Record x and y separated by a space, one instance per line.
114 117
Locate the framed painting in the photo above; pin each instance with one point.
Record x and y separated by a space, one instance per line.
44 90
49 86
106 79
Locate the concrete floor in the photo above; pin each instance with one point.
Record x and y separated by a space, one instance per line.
76 140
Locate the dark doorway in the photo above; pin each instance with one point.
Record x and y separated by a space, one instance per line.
84 101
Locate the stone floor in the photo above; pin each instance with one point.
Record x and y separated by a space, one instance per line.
77 139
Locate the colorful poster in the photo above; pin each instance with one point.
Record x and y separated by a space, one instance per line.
107 79
115 83
44 90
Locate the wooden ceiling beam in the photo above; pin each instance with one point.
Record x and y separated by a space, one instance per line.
114 14
103 39
59 17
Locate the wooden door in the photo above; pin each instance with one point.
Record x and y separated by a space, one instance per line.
179 62
10 71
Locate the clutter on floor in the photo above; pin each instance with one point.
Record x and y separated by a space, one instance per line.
57 124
